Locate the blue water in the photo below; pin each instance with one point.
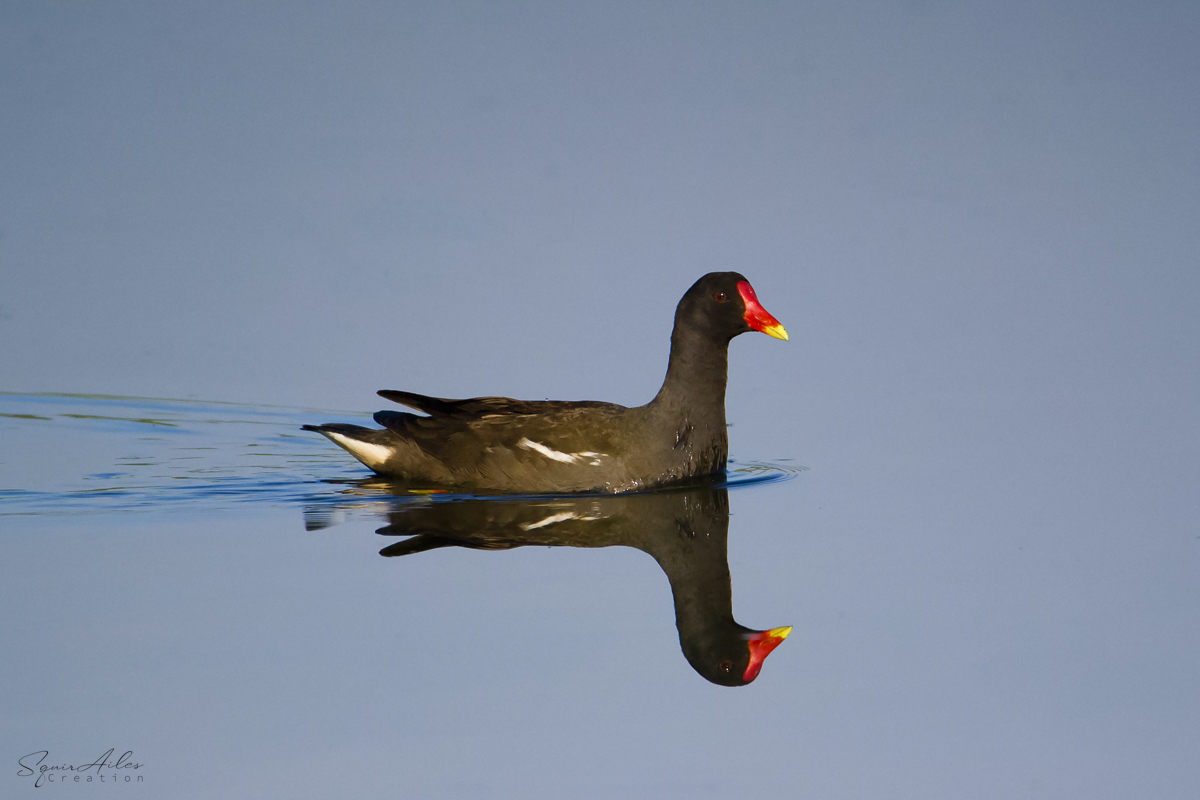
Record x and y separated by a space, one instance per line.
86 454
253 613
197 577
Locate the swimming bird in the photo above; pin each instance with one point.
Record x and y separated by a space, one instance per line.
501 444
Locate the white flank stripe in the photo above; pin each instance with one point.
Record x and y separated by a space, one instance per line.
566 458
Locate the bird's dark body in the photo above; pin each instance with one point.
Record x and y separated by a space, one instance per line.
501 444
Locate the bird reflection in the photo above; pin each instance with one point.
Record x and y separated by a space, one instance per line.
684 530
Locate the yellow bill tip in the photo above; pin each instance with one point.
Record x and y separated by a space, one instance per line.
775 330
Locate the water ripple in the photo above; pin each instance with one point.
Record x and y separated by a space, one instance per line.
67 454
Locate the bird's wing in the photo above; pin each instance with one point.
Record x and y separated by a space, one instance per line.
481 407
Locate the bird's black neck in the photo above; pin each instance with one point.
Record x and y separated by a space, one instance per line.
696 376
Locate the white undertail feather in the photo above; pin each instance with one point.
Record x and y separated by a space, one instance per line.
370 454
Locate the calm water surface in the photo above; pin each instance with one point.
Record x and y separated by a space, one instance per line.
140 454
251 613
197 513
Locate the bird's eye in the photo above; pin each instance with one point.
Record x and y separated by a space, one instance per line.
720 297
725 666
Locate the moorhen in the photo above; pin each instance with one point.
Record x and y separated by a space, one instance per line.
685 530
501 444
